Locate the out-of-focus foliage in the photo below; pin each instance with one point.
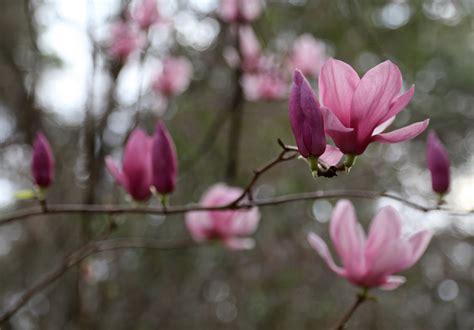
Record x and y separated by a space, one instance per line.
45 66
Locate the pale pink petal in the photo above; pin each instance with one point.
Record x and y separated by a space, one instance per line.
234 243
332 123
320 246
250 49
348 238
199 225
331 156
389 259
403 134
418 242
392 282
337 83
250 9
386 226
245 222
382 127
373 97
399 103
116 172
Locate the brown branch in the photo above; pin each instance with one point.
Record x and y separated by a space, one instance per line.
82 253
54 209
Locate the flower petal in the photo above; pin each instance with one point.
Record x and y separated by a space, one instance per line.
337 83
348 238
402 134
400 103
239 243
116 172
332 156
418 242
199 225
392 282
245 222
373 97
386 227
320 246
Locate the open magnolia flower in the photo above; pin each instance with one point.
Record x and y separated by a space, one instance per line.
355 108
370 262
231 227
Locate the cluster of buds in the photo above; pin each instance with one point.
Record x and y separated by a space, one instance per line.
147 162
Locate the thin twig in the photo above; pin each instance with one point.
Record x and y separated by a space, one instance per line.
82 253
361 298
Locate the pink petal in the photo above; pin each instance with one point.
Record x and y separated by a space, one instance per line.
373 97
245 222
337 83
348 238
402 134
116 172
386 227
240 243
438 164
400 103
392 282
199 225
332 123
320 246
418 242
389 259
331 156
382 127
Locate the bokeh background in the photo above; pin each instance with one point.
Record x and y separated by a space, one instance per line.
55 76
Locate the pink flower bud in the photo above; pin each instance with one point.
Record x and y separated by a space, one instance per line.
124 41
231 227
438 164
370 262
174 77
244 11
306 119
164 161
146 14
136 176
42 165
308 55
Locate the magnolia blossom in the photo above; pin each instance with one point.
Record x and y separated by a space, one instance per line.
357 107
232 11
174 77
124 40
146 14
438 164
231 226
164 160
264 86
136 175
370 262
308 55
250 50
42 164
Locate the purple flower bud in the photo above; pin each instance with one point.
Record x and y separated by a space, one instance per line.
136 175
306 118
163 159
42 165
438 164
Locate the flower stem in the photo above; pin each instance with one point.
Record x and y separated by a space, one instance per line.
350 161
313 165
361 297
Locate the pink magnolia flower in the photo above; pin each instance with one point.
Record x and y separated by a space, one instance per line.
306 118
370 262
174 77
308 55
264 86
231 227
250 50
124 41
164 160
146 14
438 164
232 11
136 176
356 107
42 164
